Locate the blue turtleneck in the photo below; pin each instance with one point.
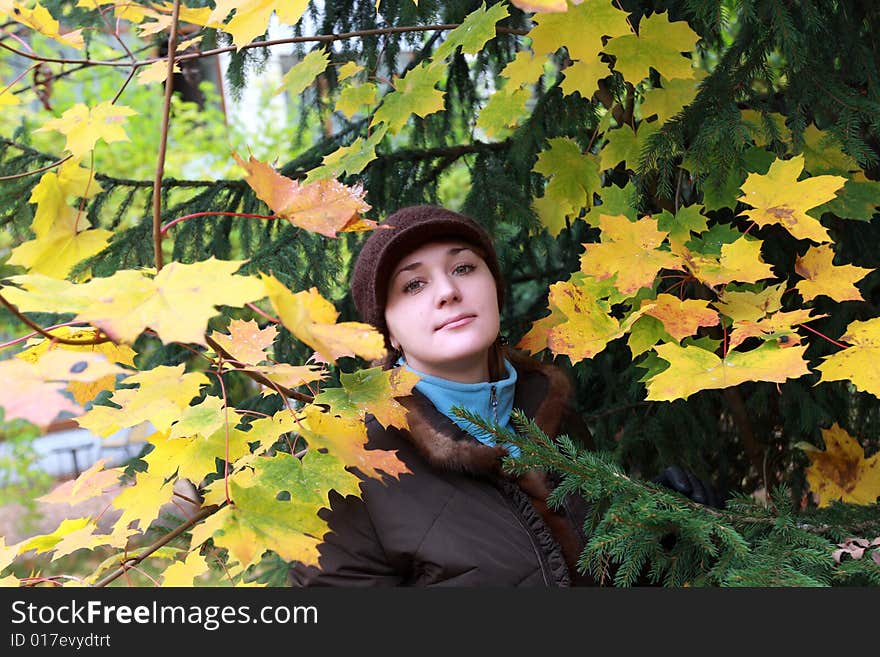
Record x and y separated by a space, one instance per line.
492 400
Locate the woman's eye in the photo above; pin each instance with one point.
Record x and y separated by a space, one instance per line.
463 269
413 286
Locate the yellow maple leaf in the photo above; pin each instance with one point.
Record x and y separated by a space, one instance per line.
38 18
750 306
176 304
581 29
371 391
142 501
312 319
739 261
857 363
47 542
587 327
345 438
195 457
693 368
289 376
163 394
779 198
324 206
629 250
52 192
251 18
155 72
276 504
162 15
822 277
681 318
66 243
186 572
83 127
841 471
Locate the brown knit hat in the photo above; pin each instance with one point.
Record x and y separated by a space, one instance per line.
414 226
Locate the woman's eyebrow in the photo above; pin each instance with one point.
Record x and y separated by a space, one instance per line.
455 250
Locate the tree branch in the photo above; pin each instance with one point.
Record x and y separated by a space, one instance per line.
163 141
167 538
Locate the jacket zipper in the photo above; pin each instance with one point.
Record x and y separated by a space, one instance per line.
493 399
544 567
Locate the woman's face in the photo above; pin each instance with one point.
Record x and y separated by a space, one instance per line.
442 311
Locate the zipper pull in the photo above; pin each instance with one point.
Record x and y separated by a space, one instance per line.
493 399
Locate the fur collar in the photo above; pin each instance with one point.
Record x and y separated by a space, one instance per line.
542 392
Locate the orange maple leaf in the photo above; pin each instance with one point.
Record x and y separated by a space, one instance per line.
325 206
681 318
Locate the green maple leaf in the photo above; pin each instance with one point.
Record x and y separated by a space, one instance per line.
351 159
204 418
682 223
276 506
503 112
304 73
822 154
857 200
473 33
670 99
645 333
615 200
580 29
626 146
659 46
574 176
356 98
415 94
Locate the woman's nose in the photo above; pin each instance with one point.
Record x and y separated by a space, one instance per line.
446 291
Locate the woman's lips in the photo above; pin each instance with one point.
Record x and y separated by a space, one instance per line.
458 322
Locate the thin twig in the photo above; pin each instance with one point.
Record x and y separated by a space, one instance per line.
167 538
163 141
39 329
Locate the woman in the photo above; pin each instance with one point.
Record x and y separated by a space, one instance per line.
433 287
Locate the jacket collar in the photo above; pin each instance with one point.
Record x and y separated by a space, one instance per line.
542 393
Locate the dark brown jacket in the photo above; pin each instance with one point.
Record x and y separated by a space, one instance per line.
456 519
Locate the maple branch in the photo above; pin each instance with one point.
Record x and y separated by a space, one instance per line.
219 374
163 140
115 34
200 515
822 335
30 335
320 38
124 85
256 376
260 311
39 329
243 215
